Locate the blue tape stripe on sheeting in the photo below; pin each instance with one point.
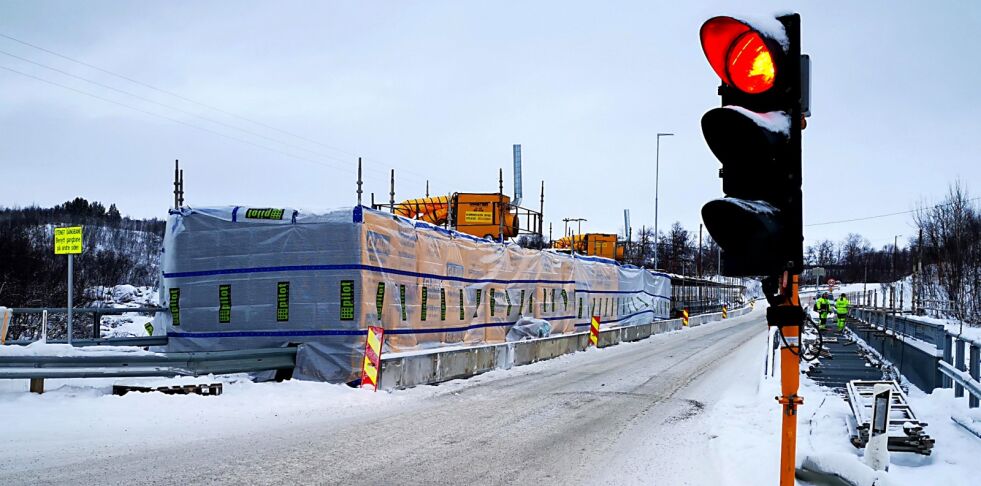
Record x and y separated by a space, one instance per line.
339 332
235 214
463 328
312 332
370 268
622 292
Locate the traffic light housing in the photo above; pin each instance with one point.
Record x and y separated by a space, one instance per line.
756 137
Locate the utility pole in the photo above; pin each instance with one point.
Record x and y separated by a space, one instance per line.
917 293
657 177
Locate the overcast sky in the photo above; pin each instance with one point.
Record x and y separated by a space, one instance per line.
441 90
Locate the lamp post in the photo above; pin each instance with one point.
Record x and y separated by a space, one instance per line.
657 176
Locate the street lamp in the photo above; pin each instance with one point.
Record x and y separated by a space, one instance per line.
657 175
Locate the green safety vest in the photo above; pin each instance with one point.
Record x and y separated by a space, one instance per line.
822 305
842 306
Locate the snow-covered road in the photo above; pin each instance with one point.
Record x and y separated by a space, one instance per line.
629 414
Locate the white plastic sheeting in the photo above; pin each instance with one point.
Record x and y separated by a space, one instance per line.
241 277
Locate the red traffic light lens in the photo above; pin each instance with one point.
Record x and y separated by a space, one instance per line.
738 54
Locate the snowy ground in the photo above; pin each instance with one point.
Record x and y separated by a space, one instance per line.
129 324
639 405
745 423
689 407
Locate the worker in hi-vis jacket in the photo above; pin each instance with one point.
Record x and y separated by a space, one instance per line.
841 307
823 305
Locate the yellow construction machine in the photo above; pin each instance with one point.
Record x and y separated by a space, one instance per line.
485 215
594 244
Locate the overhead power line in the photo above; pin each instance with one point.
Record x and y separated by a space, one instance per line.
884 215
201 104
175 120
180 110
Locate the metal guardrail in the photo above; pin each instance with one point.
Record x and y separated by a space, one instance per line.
103 311
162 364
902 325
142 341
95 312
961 363
960 366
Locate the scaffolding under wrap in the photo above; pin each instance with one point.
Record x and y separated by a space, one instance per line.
243 277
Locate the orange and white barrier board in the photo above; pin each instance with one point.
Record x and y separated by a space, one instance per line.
684 317
594 331
372 357
4 321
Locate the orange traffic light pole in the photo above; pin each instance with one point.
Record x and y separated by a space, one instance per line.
789 384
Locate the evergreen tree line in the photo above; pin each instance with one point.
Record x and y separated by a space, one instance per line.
117 250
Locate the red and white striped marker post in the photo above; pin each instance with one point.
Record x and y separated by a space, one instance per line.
372 357
594 331
684 316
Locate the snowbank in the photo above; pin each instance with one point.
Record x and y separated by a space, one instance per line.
63 350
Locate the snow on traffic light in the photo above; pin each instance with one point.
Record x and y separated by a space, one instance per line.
756 137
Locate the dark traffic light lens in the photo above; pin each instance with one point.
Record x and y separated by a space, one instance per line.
743 140
742 224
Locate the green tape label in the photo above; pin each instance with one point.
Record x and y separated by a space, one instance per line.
553 300
347 300
565 300
544 301
442 304
580 307
425 300
380 299
462 315
264 213
493 301
175 305
283 301
521 303
402 302
224 303
507 298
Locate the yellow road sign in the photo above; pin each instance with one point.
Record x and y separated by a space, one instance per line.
68 240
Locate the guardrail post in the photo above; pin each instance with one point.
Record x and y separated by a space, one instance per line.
948 357
959 364
974 370
96 325
37 385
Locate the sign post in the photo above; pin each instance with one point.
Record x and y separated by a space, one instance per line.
68 241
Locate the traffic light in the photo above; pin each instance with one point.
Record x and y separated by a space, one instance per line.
756 137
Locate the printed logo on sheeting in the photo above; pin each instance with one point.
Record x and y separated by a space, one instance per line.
372 357
594 331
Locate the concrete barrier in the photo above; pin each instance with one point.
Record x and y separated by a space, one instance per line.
424 368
